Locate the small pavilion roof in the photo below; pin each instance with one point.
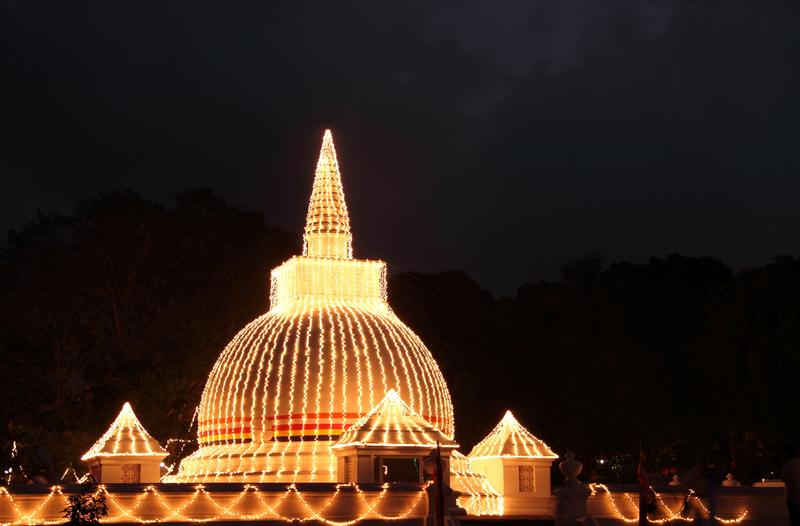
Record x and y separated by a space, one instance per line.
393 423
510 439
126 437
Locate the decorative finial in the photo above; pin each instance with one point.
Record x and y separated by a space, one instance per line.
570 468
327 233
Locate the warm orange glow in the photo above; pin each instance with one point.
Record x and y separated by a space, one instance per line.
125 437
293 380
392 423
510 440
125 507
669 514
478 497
327 232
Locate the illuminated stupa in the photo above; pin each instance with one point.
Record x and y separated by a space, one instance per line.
329 349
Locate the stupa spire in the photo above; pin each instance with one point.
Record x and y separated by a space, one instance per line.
327 233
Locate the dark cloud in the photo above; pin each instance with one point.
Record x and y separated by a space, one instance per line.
500 138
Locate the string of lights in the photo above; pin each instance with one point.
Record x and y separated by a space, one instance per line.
15 465
269 507
509 439
392 423
33 516
125 437
670 515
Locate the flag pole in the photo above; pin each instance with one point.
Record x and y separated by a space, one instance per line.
439 482
644 486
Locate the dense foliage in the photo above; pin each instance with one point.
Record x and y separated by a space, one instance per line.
87 506
125 299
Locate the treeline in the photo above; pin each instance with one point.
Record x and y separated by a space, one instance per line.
125 299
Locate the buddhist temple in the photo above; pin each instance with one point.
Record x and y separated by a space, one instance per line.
327 352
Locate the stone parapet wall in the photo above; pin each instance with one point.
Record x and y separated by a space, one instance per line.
744 505
135 503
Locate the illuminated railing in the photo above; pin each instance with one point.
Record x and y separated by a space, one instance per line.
332 504
690 508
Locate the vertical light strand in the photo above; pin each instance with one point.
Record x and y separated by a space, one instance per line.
301 319
306 380
356 315
267 433
227 398
332 332
354 346
422 388
320 351
263 349
392 350
243 375
279 383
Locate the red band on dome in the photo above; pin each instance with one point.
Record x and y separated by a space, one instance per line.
226 431
299 416
322 425
227 420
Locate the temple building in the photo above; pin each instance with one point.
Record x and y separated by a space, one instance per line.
390 444
329 349
330 386
517 464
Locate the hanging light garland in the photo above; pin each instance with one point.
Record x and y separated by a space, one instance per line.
119 512
669 514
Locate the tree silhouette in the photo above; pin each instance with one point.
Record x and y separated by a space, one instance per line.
126 299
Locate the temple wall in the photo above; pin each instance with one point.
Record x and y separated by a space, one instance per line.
133 503
743 505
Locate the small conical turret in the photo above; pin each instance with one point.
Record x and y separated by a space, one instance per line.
126 436
327 233
510 439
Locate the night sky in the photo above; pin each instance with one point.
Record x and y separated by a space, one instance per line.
503 138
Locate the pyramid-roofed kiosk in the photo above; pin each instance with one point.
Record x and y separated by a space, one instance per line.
389 444
517 464
126 453
293 380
